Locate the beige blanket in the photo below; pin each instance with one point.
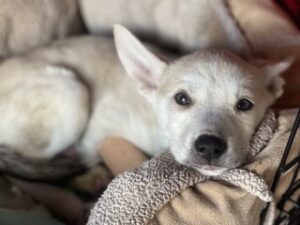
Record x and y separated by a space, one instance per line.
162 192
187 25
30 23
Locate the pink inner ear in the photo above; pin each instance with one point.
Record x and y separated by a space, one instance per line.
145 76
146 81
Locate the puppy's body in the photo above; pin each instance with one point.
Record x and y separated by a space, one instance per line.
74 93
71 95
116 107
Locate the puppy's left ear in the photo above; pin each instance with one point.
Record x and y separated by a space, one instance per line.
273 72
140 64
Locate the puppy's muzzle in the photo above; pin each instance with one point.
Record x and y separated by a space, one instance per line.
210 147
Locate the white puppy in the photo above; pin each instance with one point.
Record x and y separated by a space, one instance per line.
208 103
203 107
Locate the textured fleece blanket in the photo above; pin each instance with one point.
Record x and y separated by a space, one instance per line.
162 192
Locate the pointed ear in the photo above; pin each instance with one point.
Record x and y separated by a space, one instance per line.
275 81
140 64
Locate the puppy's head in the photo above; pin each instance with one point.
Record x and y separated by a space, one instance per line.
209 103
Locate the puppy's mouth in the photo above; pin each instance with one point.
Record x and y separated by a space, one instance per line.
208 170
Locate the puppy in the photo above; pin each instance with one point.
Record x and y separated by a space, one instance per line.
70 95
208 104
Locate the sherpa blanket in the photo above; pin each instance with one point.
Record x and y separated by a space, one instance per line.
31 23
163 192
186 25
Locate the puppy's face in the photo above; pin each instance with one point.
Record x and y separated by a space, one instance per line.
209 104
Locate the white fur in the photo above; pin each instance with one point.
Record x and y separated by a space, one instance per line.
215 81
41 110
212 172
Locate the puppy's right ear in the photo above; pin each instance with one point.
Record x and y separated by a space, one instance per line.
140 64
273 72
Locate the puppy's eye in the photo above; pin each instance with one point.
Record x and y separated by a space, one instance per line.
182 98
244 105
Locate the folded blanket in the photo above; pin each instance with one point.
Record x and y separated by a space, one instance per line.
162 191
26 24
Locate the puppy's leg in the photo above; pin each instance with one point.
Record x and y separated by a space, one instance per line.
120 155
44 110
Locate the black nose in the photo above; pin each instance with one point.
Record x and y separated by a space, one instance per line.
210 147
